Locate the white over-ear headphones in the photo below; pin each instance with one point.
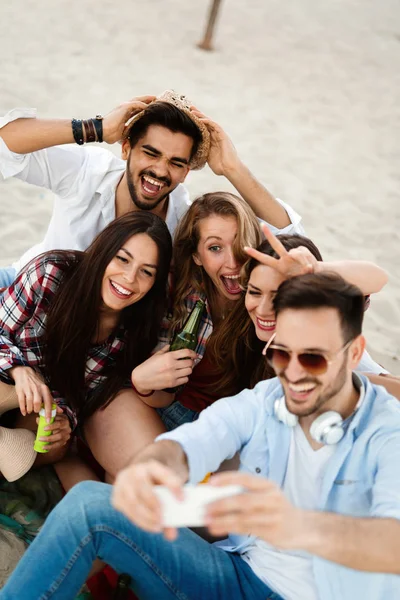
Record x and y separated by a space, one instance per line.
325 429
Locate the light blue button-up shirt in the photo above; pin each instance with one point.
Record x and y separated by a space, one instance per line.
362 478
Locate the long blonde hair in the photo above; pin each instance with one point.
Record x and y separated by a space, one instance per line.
188 275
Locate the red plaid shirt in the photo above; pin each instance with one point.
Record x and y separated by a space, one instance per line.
23 311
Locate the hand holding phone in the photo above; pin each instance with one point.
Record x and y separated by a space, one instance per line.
190 512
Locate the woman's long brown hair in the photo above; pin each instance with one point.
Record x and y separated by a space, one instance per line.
189 275
73 315
235 346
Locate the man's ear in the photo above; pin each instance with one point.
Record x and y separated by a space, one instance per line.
356 351
185 173
197 260
126 148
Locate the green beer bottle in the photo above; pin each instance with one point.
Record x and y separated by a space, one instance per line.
187 338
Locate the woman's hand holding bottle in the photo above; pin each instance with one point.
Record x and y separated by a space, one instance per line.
163 369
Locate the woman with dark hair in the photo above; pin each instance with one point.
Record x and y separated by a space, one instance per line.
73 326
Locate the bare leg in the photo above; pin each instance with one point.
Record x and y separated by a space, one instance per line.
8 397
117 433
109 478
98 565
72 469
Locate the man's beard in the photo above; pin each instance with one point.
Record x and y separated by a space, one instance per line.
134 197
331 391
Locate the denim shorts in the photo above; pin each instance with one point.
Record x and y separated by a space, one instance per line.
176 414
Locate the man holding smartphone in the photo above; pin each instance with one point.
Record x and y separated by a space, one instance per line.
319 461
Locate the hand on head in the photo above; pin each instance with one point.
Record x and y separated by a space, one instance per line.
114 123
223 156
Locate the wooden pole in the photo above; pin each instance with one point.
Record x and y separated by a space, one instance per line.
206 43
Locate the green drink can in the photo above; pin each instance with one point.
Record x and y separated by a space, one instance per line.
40 446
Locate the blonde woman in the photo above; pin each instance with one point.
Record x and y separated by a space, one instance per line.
208 255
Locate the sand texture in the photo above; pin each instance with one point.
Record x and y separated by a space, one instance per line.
308 91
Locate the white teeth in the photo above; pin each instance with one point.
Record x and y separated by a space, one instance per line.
230 276
152 181
120 289
266 323
302 387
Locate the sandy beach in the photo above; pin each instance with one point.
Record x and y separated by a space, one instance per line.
309 93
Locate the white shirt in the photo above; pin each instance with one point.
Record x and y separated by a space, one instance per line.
290 573
84 180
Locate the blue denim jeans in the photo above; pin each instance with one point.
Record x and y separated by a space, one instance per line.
85 526
7 276
176 414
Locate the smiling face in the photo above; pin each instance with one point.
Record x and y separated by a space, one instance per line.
215 253
315 330
261 289
156 165
131 273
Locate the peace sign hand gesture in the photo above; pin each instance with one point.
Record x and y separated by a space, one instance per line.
297 261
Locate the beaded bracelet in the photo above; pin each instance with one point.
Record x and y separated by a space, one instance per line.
142 395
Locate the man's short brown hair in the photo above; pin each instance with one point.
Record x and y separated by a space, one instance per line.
324 290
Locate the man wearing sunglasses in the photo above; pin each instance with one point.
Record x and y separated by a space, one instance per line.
319 519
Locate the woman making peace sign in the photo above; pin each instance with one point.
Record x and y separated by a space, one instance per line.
240 362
